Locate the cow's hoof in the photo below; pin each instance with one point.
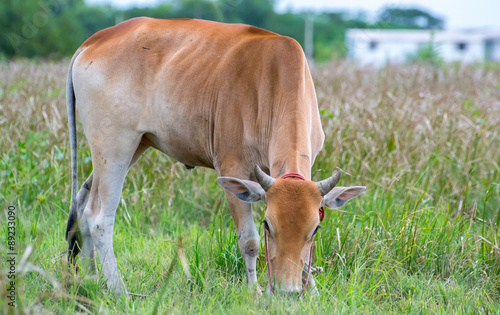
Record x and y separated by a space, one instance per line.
316 270
313 292
255 289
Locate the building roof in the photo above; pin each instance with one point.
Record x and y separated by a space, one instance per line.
385 35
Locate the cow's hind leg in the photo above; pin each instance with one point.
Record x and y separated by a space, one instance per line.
111 158
78 232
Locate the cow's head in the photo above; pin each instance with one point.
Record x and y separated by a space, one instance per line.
291 218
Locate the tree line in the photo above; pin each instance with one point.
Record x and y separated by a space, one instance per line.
53 29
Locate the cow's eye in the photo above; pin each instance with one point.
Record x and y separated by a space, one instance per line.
316 230
266 225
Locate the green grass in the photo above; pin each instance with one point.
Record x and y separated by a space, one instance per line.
422 239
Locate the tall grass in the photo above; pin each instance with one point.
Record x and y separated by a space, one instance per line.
423 238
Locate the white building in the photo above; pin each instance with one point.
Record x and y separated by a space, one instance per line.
377 47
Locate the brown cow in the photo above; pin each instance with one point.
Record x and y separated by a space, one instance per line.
223 96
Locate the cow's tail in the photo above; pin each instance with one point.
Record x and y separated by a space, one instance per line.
72 231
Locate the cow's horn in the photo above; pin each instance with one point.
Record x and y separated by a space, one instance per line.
263 179
327 184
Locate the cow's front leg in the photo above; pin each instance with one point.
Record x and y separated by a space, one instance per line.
248 236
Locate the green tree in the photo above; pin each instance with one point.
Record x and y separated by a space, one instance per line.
40 28
162 11
409 18
287 24
96 18
198 9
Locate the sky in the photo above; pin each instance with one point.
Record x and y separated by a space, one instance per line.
458 14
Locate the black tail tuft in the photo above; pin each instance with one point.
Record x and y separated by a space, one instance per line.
72 236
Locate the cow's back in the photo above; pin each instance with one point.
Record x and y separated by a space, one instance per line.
199 90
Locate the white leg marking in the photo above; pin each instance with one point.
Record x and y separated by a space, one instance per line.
248 236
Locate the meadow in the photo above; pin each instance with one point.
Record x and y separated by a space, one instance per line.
423 238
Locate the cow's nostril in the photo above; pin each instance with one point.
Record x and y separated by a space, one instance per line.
252 251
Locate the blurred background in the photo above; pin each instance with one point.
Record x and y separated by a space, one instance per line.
370 31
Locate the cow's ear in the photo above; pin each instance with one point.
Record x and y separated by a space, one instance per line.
245 190
340 195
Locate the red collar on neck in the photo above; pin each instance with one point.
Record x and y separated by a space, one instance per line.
293 175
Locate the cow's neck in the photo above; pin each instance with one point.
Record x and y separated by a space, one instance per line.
291 151
294 163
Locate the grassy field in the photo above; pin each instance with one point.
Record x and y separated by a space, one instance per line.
423 238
